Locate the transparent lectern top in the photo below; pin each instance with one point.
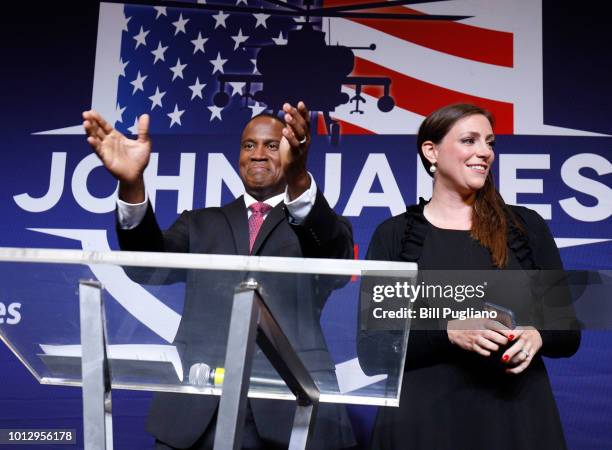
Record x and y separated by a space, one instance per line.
167 319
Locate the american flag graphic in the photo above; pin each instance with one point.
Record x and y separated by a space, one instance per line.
404 50
170 59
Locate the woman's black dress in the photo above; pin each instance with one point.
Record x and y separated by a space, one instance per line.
452 398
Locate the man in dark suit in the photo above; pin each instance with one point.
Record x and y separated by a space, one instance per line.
282 213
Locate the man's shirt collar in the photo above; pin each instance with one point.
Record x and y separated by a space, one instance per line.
272 201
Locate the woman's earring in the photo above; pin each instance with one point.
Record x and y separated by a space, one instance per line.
433 168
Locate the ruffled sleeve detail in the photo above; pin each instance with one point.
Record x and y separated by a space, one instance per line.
415 232
519 244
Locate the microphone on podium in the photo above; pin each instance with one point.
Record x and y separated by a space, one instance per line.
201 374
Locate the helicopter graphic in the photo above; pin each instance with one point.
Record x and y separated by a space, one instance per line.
312 70
301 79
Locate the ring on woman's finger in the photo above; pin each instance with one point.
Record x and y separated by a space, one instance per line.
303 140
525 352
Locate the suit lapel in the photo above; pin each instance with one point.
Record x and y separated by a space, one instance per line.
236 214
274 217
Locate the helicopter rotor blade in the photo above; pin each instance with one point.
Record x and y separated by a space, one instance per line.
396 16
382 4
286 5
322 12
292 11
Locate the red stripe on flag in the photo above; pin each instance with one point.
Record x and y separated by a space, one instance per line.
466 41
422 98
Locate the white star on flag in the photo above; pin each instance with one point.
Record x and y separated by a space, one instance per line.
118 114
156 99
138 83
124 22
217 64
122 68
254 62
134 128
215 112
196 89
177 70
198 44
175 116
237 88
261 19
141 38
280 40
159 52
239 39
161 11
180 25
241 1
220 19
256 109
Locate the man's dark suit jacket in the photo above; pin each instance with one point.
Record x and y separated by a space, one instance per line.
295 300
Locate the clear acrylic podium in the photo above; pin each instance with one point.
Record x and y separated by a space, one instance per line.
231 326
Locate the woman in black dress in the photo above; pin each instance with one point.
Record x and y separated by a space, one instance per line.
473 384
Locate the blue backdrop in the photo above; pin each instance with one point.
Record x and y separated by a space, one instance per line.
47 77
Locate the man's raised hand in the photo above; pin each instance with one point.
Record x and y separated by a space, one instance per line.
294 148
126 159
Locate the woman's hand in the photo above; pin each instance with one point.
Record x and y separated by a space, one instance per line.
481 336
528 342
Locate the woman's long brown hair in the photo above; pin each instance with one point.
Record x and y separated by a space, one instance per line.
490 215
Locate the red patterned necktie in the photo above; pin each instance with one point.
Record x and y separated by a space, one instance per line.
258 212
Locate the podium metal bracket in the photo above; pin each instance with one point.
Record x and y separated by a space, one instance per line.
251 321
97 405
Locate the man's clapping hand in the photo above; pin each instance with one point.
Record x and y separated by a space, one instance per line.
126 159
